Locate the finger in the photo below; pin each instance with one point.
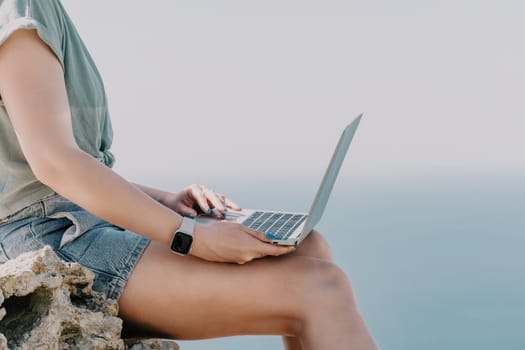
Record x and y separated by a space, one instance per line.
198 195
227 203
257 234
232 205
184 210
213 200
221 197
276 250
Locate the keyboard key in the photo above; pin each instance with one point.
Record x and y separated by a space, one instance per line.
275 225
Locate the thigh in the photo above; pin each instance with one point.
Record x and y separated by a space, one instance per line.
17 238
110 252
188 298
16 235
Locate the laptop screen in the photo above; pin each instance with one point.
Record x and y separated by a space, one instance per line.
323 193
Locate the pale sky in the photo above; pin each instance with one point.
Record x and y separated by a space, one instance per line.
262 89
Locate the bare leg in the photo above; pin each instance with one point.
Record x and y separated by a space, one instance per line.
188 298
314 246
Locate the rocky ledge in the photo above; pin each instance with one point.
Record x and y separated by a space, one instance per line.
49 304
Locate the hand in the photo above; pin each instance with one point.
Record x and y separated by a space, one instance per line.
222 241
198 198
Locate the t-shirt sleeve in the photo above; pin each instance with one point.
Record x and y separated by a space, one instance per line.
22 14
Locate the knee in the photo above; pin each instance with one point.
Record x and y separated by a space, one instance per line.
321 286
315 245
330 281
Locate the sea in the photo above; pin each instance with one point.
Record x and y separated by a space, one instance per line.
436 262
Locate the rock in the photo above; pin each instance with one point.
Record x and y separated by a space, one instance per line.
150 344
3 342
48 304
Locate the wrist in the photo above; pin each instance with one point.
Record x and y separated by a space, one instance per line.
182 240
163 197
198 235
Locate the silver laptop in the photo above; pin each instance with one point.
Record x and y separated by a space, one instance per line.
289 228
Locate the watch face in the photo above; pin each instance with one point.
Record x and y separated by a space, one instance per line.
181 243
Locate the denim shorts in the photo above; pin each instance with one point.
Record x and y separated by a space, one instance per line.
108 250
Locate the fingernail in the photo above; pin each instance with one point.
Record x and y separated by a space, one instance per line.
191 216
209 211
224 215
294 249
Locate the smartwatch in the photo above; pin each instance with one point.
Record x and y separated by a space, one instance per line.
183 237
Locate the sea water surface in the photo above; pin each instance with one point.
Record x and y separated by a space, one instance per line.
436 263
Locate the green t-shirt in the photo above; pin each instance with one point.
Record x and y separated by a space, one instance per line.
87 99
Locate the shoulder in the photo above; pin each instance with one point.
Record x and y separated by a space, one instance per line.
43 11
13 9
42 15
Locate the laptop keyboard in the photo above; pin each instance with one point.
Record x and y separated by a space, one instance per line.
280 225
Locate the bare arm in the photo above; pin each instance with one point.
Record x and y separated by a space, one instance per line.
158 195
33 89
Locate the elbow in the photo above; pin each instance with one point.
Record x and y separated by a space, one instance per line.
47 172
52 168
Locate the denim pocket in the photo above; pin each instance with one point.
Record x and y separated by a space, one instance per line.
81 222
16 237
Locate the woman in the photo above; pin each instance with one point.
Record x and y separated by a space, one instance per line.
57 188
